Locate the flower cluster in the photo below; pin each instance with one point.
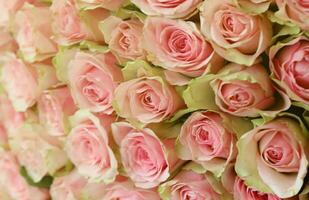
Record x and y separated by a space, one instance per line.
154 99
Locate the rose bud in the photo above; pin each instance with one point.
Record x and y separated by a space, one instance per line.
146 159
289 64
146 99
23 82
294 11
273 158
178 46
238 90
236 36
54 108
88 148
168 8
93 78
33 32
71 26
208 138
124 38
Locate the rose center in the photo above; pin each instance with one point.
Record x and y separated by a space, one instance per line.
179 42
125 42
301 71
142 155
150 100
239 98
94 93
205 136
273 154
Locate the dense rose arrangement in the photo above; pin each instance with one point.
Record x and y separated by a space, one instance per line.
154 99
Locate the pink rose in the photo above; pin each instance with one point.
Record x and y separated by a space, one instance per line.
33 32
143 155
107 4
147 99
179 46
24 83
73 186
124 37
236 36
295 11
39 154
88 148
289 64
168 8
19 82
250 96
206 138
68 25
93 78
7 42
54 106
14 183
11 120
189 185
127 191
273 157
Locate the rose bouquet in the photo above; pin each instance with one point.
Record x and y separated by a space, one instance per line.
154 99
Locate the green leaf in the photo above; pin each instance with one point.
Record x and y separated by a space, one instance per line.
108 25
65 170
197 168
127 14
252 8
93 47
61 62
306 117
199 94
301 104
140 68
164 190
44 183
132 7
301 123
181 113
166 130
217 186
